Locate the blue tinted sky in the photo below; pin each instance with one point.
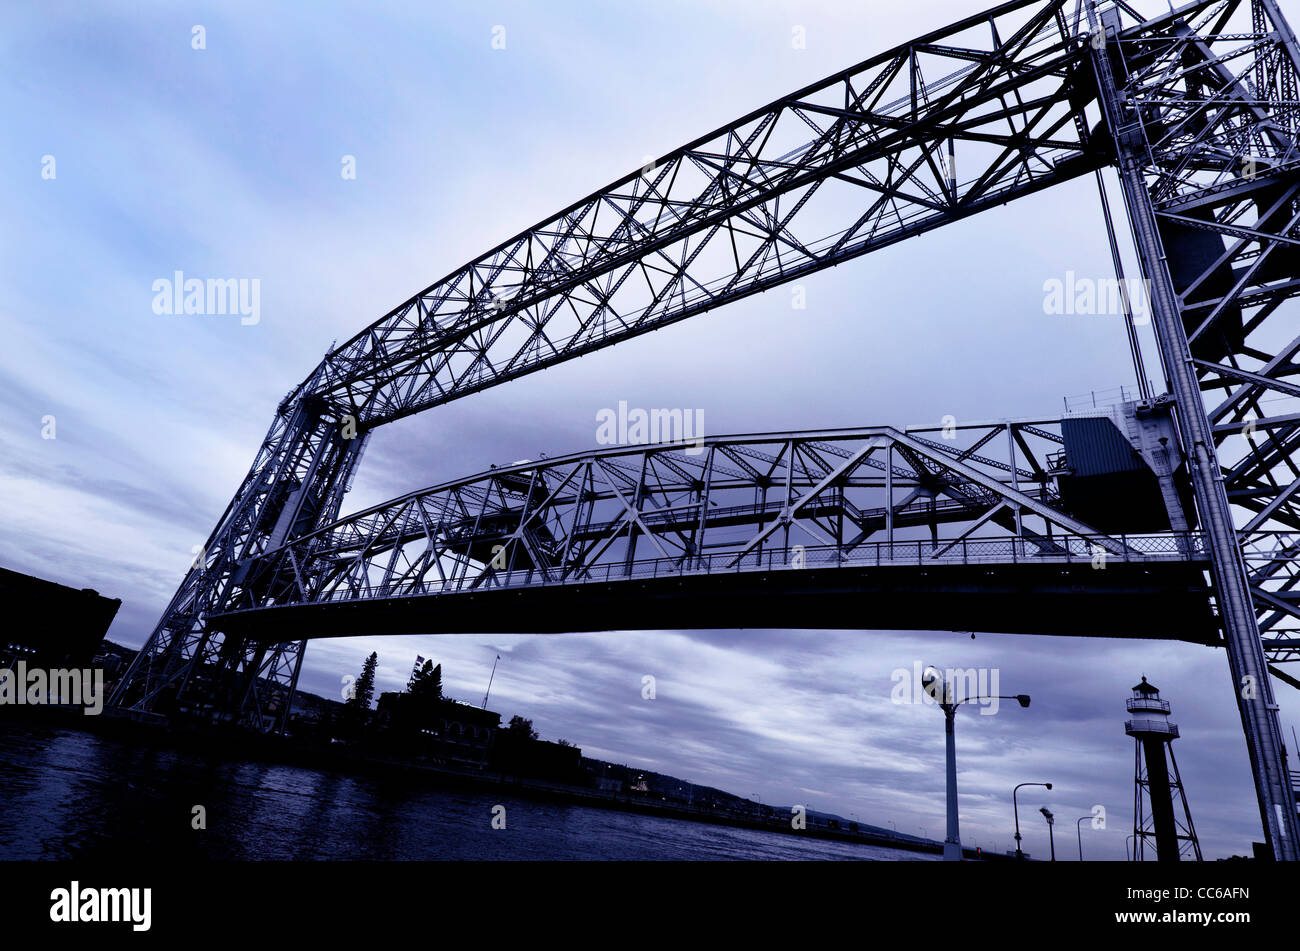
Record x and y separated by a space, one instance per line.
225 162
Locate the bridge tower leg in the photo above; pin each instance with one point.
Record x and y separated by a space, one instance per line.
297 482
1123 107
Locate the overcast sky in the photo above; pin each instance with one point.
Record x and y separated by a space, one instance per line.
225 162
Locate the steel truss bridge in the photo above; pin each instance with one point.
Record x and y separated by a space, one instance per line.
1197 111
750 531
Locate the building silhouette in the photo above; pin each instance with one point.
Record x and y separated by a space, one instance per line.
50 625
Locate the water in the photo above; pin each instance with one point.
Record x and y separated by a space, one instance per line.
65 794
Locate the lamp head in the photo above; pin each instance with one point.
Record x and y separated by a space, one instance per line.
1048 785
932 682
1023 698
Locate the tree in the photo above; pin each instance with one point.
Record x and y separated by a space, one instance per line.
426 683
521 727
364 688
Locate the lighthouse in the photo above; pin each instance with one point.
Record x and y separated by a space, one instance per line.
1156 780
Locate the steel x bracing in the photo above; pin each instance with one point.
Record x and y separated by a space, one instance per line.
1196 107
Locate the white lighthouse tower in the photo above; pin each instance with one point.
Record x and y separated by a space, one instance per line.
1156 779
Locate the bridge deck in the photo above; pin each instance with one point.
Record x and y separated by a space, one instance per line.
1155 587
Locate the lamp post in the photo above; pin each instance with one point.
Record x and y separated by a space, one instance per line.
1016 811
1051 820
952 841
1079 834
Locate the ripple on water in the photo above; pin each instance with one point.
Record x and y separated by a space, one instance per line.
77 795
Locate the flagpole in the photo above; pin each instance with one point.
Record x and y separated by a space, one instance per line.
489 689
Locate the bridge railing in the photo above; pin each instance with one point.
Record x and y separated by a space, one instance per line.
1189 546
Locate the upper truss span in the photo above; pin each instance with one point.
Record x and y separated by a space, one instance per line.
965 118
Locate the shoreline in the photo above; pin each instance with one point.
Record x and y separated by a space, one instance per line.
240 746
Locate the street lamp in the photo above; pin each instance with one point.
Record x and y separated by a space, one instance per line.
1016 811
1051 819
952 841
1079 834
